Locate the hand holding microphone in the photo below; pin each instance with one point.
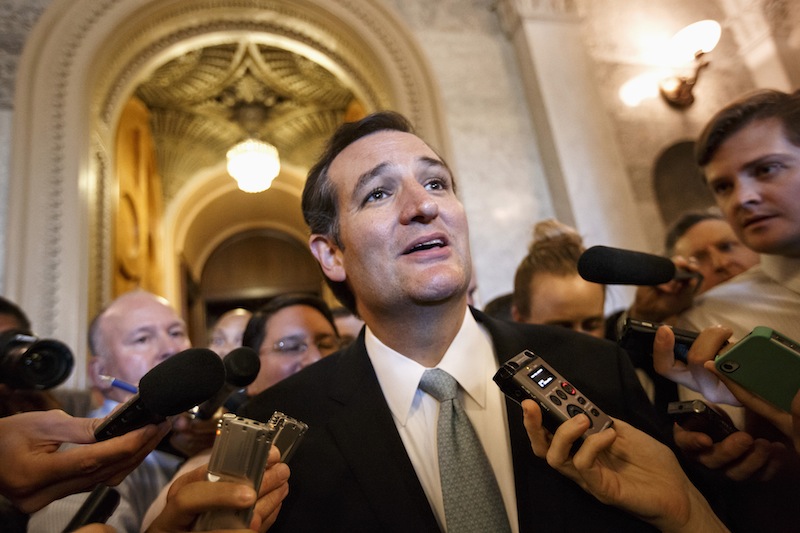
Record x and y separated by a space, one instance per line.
38 471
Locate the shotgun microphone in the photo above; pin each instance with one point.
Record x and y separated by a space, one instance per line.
614 266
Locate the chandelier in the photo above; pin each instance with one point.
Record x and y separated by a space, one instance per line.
253 164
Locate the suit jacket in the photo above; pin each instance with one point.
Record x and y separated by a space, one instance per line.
351 472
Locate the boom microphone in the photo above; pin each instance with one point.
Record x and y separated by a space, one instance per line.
241 368
174 385
614 266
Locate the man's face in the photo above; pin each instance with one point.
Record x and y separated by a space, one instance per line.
567 301
403 232
138 331
755 179
715 250
297 336
227 333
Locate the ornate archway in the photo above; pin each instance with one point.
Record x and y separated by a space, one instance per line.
81 64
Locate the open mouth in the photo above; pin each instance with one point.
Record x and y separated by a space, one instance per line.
425 245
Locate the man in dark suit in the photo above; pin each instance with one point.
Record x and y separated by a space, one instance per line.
392 239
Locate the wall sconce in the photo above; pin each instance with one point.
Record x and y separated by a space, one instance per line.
688 46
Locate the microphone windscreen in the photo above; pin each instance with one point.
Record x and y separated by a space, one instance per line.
614 266
184 380
241 366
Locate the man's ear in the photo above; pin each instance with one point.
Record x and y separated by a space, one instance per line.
329 256
515 315
96 369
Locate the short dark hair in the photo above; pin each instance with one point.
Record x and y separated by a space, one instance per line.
320 209
760 105
684 223
7 307
256 330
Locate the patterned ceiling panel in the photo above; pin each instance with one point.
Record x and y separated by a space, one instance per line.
205 101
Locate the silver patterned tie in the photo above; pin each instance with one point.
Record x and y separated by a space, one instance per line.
472 500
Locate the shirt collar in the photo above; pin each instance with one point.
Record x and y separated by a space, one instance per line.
468 359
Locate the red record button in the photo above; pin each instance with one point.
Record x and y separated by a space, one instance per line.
567 387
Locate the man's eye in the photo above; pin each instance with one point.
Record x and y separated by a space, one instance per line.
767 169
437 184
720 187
375 194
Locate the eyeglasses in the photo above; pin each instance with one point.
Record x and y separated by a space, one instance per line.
294 346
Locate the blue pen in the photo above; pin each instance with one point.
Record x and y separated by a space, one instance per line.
118 383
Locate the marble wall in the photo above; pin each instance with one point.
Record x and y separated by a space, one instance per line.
17 18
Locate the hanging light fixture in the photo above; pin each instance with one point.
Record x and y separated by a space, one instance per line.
253 164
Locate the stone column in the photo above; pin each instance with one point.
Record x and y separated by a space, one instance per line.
588 179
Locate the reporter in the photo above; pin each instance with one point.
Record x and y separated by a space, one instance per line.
626 468
35 472
191 494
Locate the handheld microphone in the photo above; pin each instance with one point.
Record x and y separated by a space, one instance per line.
614 266
241 368
174 385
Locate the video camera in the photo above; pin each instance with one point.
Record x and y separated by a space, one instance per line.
27 362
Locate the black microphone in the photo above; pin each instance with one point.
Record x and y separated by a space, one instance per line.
614 266
241 368
174 385
97 508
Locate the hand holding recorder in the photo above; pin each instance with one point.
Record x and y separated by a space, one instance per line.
192 495
691 373
624 467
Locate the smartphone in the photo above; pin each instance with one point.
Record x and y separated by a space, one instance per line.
765 363
240 454
638 336
696 415
528 376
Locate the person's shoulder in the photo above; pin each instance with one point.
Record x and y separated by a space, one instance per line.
306 387
555 344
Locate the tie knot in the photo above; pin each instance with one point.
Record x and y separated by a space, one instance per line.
439 384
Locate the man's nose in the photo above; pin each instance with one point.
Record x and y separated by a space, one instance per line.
418 204
747 192
170 345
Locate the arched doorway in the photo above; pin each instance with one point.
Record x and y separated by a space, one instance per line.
82 63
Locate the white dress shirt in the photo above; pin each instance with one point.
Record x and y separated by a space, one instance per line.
470 359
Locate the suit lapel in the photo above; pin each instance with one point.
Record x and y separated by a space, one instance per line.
367 438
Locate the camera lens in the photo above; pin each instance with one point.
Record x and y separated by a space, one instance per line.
729 366
30 363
